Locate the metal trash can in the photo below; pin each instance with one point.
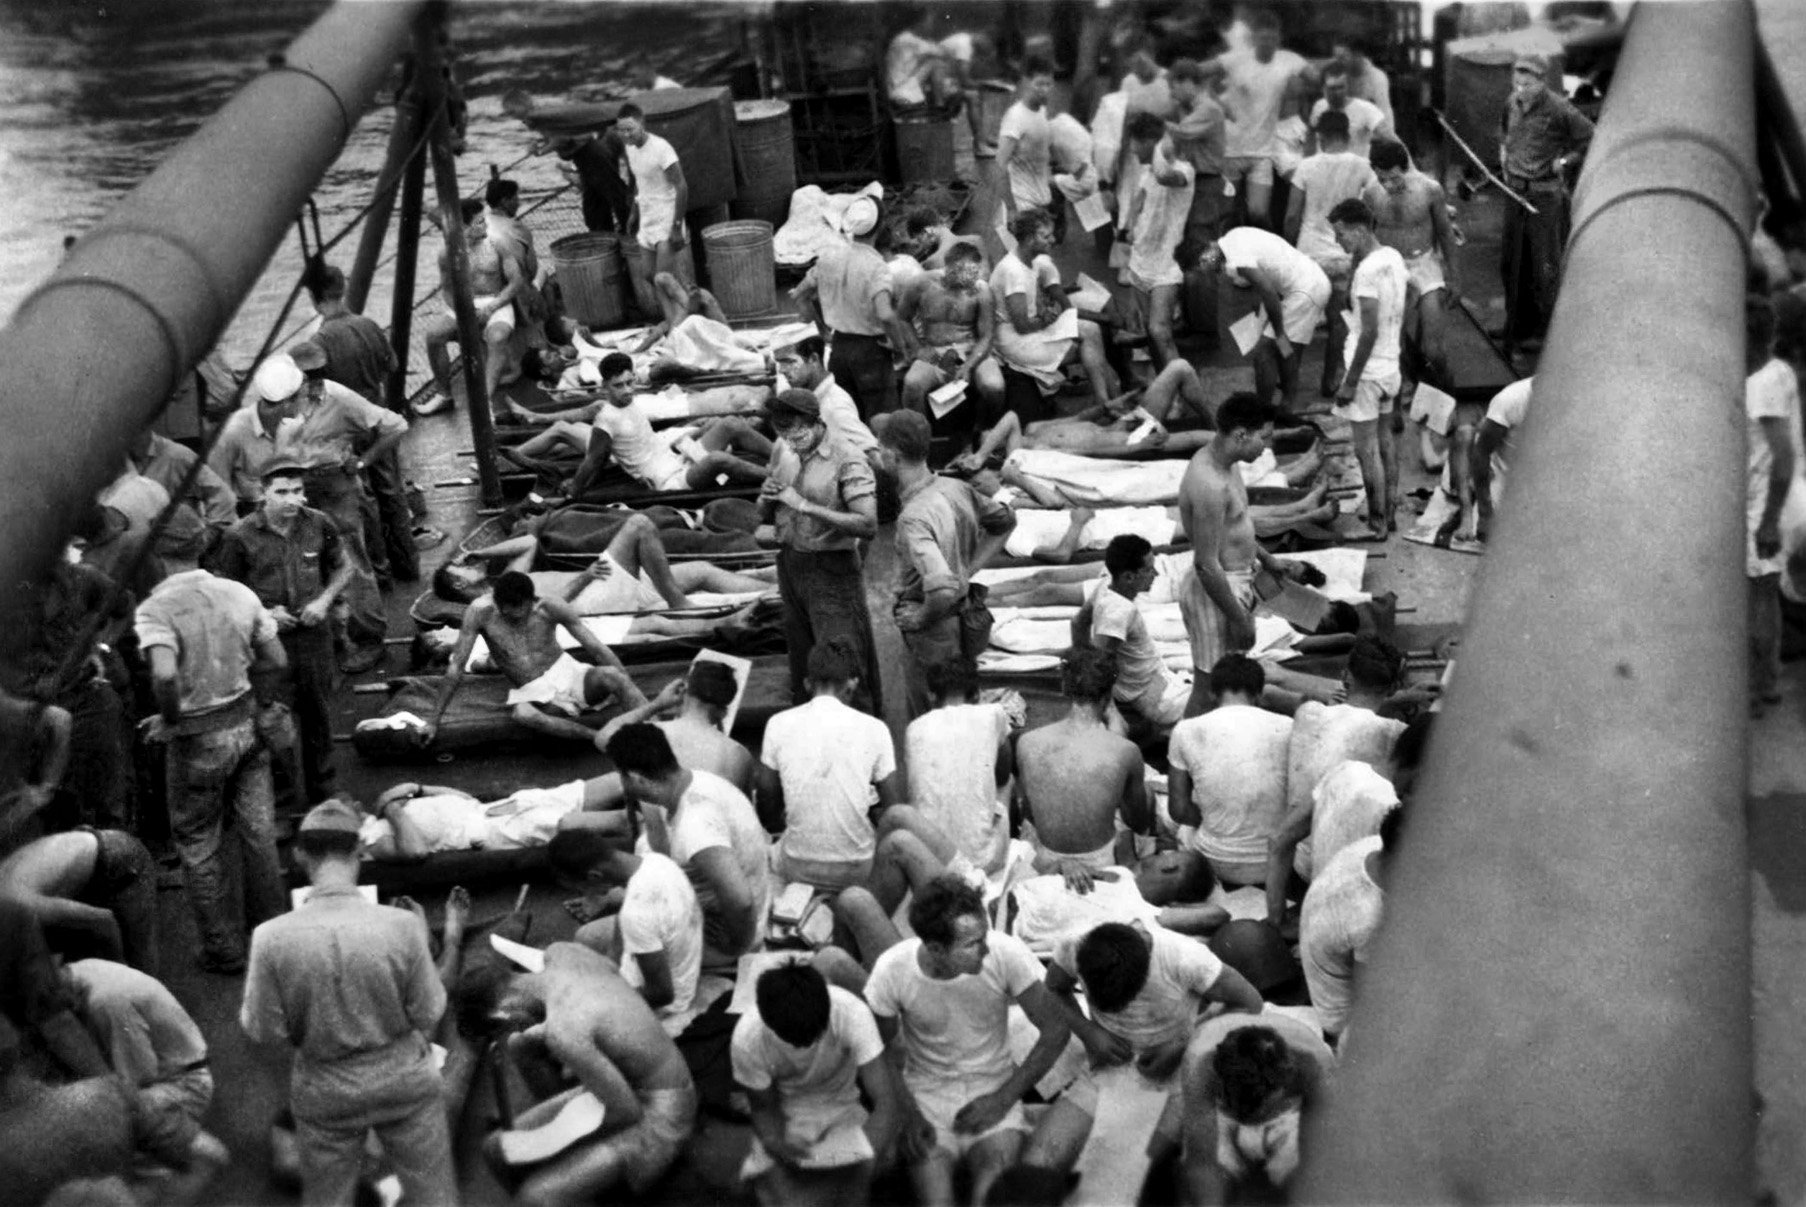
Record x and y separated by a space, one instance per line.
742 271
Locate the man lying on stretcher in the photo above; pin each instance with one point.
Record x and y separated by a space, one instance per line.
694 457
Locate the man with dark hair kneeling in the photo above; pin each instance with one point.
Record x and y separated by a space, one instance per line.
803 1056
352 987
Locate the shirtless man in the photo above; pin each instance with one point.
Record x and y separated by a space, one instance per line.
1104 431
94 893
1216 598
494 280
1076 778
519 629
953 313
581 1016
1410 213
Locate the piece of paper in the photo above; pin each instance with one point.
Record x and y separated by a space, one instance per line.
742 668
1089 294
1247 330
1003 231
1145 429
530 958
1091 211
946 398
579 1118
1304 608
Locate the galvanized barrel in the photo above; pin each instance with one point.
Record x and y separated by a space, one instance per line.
742 273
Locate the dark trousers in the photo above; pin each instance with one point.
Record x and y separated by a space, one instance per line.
341 495
963 636
94 789
312 670
124 883
824 598
1530 260
388 523
861 365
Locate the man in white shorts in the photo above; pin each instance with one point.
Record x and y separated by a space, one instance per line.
494 280
661 197
942 1000
1371 380
550 686
1156 225
1259 93
1319 184
662 461
1293 290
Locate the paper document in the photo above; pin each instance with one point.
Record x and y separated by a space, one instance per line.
1248 329
946 398
530 958
1147 427
1091 211
1089 294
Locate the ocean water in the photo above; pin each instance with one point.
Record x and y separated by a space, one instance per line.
93 96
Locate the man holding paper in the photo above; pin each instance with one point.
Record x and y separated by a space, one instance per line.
1292 292
952 312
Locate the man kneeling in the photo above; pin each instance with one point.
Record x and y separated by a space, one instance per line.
580 1015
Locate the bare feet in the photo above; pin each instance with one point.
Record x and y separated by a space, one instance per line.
457 914
1082 516
413 907
588 909
1304 468
1316 496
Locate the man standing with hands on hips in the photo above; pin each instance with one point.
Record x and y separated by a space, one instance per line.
823 497
660 199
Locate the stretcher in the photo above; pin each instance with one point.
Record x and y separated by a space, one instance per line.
477 718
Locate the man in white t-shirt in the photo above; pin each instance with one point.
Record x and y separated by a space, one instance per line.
1155 224
1024 141
803 1056
1487 461
1340 918
1149 696
710 829
1145 987
661 195
1319 184
959 759
1365 119
656 937
942 1000
1293 290
1371 378
1260 88
1031 334
829 770
1339 755
1227 778
672 460
1771 402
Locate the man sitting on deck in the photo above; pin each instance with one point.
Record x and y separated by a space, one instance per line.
519 628
711 830
954 314
1077 778
495 279
1035 337
1150 697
